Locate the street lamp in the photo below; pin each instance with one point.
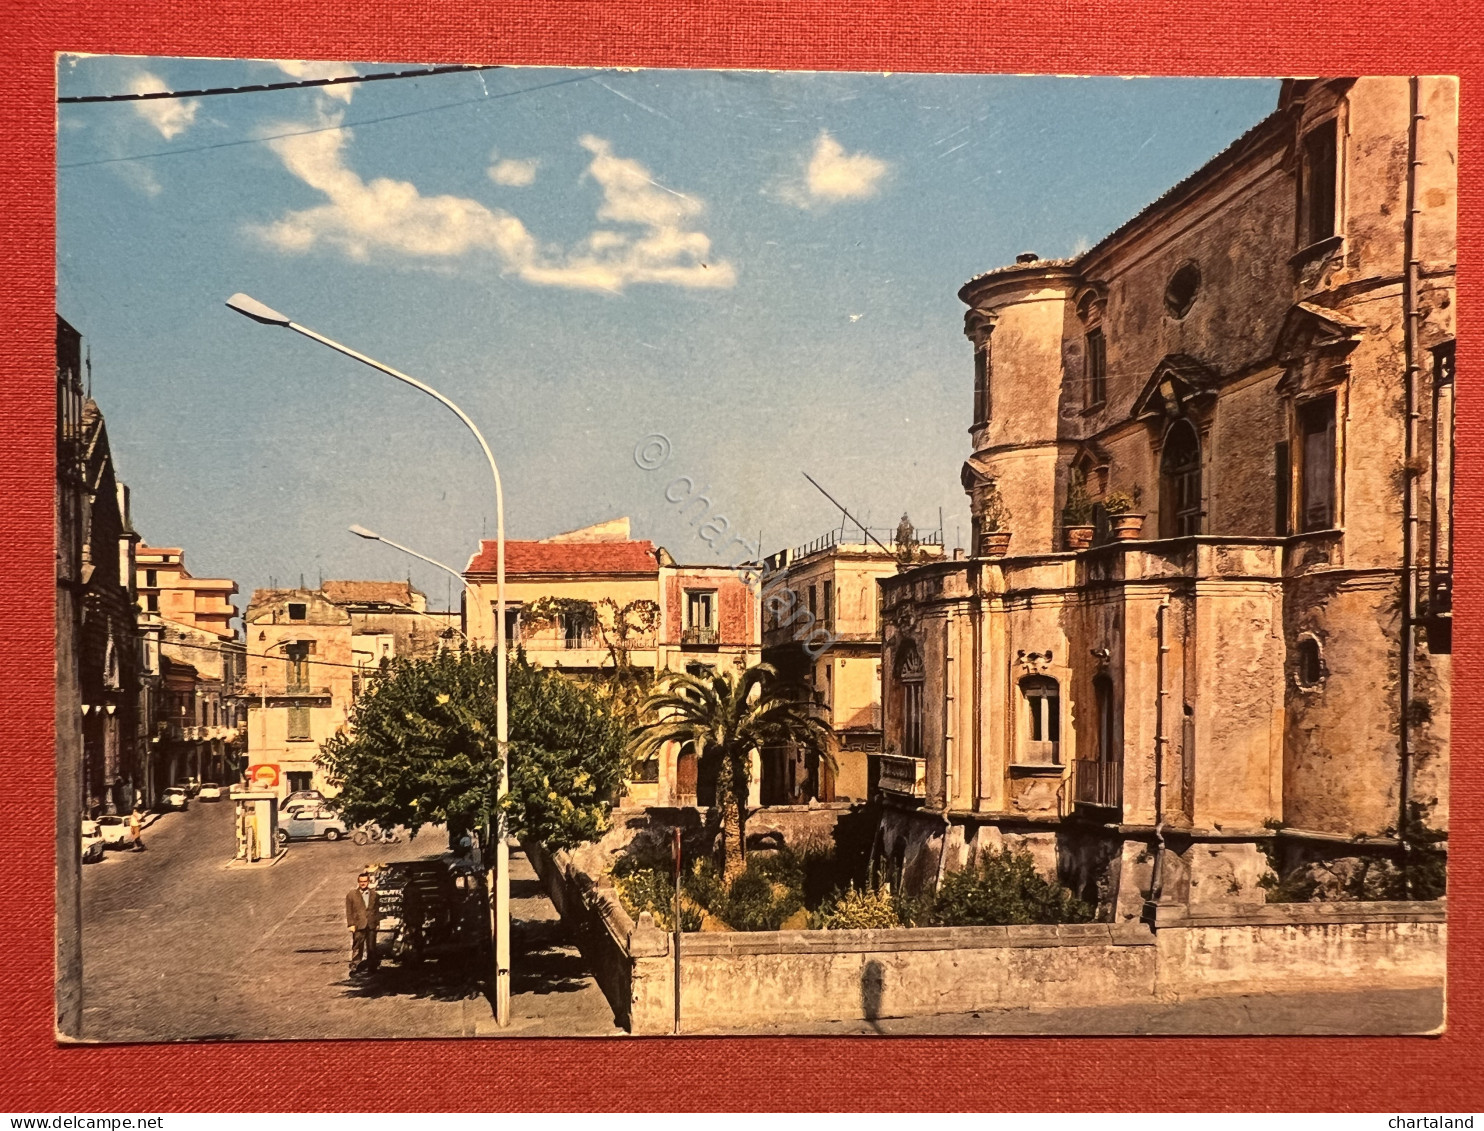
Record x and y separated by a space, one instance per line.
258 312
372 536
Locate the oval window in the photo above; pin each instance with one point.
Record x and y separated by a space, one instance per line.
1181 290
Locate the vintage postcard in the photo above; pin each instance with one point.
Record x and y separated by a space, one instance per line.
560 552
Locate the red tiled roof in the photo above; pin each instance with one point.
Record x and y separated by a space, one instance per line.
367 592
567 557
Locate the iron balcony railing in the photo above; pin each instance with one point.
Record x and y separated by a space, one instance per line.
1098 783
698 636
905 776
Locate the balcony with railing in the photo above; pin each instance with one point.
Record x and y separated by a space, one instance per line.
906 777
1098 784
699 636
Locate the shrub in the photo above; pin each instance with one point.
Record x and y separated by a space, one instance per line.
1000 889
854 910
653 890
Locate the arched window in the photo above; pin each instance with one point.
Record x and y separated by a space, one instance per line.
1109 749
1309 669
1042 733
1180 482
909 676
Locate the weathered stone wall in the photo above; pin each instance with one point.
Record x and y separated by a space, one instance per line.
1282 948
741 981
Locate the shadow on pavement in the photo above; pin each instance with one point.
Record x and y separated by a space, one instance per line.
547 963
448 980
526 889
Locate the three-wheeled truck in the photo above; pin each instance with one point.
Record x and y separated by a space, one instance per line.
431 909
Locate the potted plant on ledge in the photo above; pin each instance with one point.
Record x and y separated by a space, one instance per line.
994 517
1076 516
1123 522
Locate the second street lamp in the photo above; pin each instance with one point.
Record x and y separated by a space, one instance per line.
259 312
371 536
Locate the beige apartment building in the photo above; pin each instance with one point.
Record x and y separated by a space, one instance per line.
1261 364
833 585
196 665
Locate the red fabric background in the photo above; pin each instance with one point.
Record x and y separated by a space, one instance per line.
1155 37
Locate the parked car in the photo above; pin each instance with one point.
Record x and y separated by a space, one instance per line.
209 791
306 824
296 799
190 785
116 832
92 842
176 798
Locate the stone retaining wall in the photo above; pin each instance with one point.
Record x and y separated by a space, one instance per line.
738 980
601 930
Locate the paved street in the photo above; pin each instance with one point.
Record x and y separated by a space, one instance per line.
1369 1012
180 945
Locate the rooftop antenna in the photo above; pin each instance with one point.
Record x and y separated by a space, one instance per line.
89 360
843 511
301 579
940 526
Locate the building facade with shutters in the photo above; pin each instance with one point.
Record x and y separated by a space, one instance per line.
1246 392
594 601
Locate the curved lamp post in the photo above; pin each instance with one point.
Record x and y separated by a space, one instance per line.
371 536
258 312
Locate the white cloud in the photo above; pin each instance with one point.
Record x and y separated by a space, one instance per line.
513 172
171 116
833 175
314 69
649 237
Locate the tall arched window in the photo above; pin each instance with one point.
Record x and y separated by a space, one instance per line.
909 676
1180 482
1042 734
1108 738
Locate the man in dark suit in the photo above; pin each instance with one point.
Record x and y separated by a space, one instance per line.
361 917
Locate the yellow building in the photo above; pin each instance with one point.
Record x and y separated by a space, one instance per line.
1253 655
832 583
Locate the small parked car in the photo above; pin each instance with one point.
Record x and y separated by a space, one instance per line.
116 832
190 785
297 799
307 824
209 791
92 842
176 798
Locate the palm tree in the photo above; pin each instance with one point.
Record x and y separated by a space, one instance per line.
726 717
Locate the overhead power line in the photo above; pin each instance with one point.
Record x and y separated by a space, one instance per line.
297 84
321 129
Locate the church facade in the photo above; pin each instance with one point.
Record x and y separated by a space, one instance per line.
1242 668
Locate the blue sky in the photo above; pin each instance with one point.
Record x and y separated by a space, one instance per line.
760 266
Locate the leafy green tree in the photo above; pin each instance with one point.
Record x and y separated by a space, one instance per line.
421 750
725 718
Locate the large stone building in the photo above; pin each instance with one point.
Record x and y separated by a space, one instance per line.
594 600
832 586
1262 363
